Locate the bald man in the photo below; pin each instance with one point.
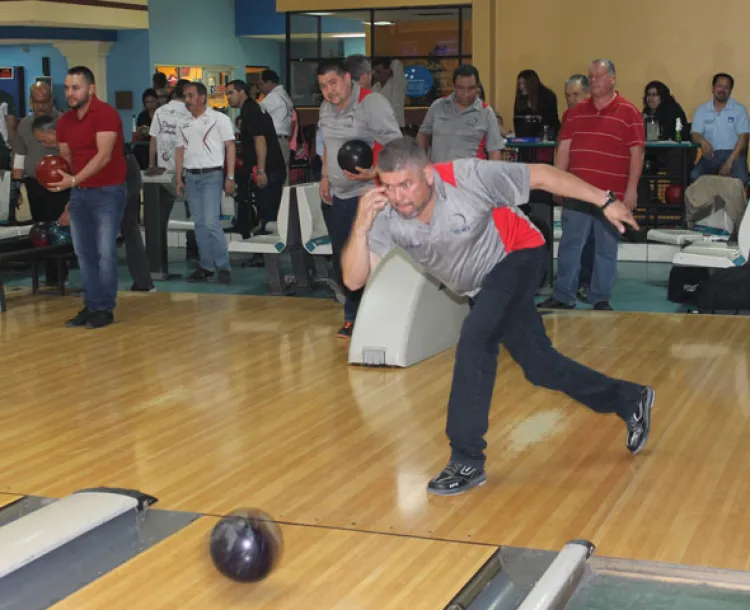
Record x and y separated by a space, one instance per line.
46 206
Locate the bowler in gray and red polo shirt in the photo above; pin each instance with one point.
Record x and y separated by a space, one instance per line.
602 142
462 221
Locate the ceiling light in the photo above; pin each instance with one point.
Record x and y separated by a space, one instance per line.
352 35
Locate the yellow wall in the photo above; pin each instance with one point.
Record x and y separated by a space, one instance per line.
58 14
680 42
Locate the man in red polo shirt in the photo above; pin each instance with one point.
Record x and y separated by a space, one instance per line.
602 142
90 138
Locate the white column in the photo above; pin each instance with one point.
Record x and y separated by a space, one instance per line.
93 55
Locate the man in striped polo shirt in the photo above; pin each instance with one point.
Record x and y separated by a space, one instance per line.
462 221
601 142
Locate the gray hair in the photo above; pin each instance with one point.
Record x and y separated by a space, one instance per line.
578 79
357 65
607 63
401 153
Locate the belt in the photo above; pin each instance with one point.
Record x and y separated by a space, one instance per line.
282 136
203 170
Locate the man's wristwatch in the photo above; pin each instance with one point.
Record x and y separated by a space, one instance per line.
611 198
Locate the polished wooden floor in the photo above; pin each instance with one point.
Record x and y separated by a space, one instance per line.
322 569
6 499
214 402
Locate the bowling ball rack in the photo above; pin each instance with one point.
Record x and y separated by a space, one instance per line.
35 256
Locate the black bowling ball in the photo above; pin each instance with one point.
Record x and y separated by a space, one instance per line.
246 546
354 154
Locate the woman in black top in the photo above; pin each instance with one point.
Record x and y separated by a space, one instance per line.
535 107
659 103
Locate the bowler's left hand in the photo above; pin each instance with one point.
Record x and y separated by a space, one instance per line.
63 185
620 216
362 175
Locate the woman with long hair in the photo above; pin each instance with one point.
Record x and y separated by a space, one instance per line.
659 104
535 107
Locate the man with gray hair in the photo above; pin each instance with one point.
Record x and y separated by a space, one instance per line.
360 69
577 89
602 141
35 139
461 220
45 205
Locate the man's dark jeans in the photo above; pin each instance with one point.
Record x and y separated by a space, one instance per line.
504 311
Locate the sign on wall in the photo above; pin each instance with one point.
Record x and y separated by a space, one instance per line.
419 81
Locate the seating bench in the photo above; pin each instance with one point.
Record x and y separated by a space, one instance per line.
59 253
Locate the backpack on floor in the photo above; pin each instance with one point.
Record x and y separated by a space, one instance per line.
684 282
727 289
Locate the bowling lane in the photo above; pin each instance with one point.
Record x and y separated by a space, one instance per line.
321 568
6 499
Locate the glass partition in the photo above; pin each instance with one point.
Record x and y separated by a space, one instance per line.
428 42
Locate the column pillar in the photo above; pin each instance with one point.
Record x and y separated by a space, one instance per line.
93 55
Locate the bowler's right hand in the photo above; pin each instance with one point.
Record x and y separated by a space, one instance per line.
180 186
325 191
370 205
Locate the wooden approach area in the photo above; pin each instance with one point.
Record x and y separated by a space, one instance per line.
213 403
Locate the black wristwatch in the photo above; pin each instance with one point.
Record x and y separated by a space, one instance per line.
611 198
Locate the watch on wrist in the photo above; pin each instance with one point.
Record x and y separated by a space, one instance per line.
611 198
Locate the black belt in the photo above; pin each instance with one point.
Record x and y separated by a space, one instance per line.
204 170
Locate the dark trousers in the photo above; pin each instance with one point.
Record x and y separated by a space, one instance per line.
47 206
339 219
268 199
135 251
504 311
587 262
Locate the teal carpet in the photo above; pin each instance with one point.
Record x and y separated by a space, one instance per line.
640 286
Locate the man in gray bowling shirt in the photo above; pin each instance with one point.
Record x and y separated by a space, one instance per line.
461 125
461 221
348 113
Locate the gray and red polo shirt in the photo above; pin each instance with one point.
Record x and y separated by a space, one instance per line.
475 224
369 117
460 134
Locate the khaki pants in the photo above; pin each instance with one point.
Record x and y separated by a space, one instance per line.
709 193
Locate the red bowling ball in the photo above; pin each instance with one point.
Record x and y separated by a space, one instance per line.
673 194
49 168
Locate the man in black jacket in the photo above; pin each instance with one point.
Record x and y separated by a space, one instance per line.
263 160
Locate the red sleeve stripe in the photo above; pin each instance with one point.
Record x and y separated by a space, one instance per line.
482 150
446 172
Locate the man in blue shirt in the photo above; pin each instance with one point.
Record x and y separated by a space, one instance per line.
721 128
